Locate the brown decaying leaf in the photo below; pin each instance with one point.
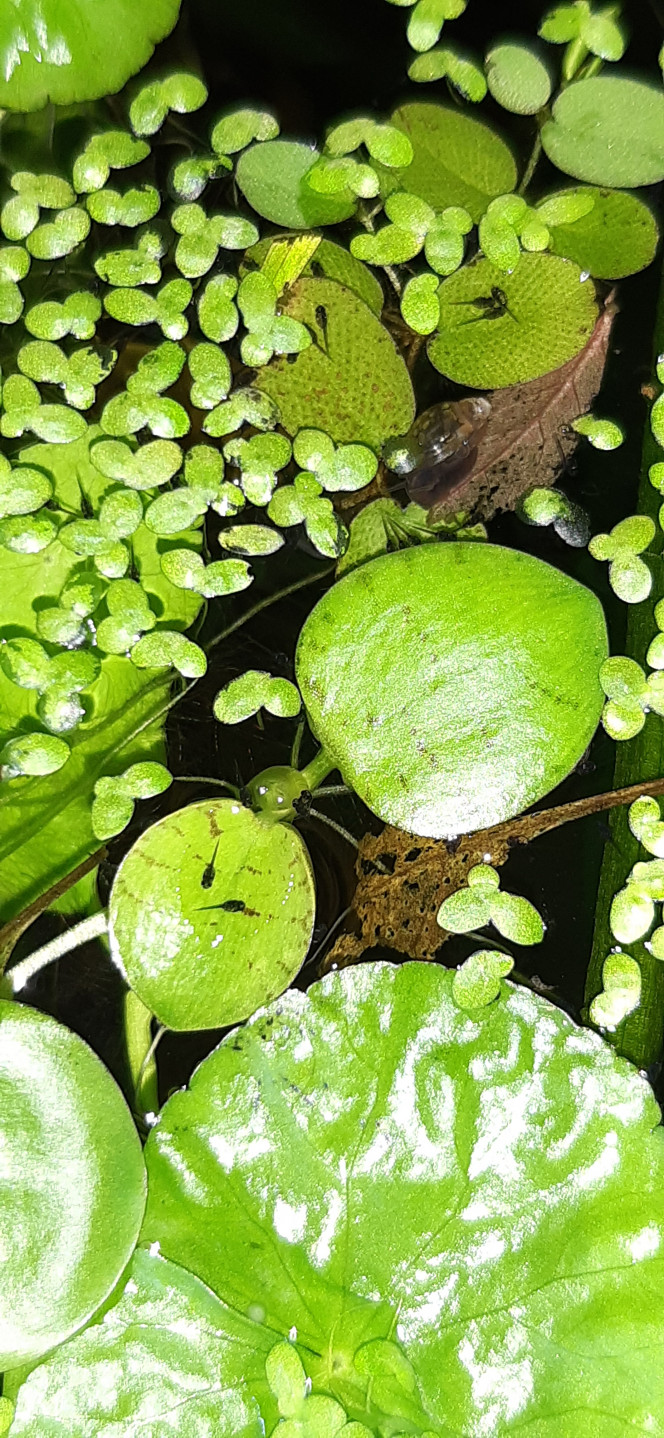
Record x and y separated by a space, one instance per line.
527 438
402 881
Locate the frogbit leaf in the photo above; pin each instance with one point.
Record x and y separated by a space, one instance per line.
244 914
430 771
499 329
457 160
608 130
272 176
477 981
256 689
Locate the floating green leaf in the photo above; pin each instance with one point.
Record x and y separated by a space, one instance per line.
166 308
237 895
217 314
302 503
616 236
165 647
203 236
608 130
351 383
53 239
256 689
448 62
106 151
629 576
518 77
69 1237
497 329
377 1184
235 131
332 262
32 754
210 371
114 799
145 468
250 539
181 92
457 160
420 756
76 315
482 902
273 178
245 406
621 992
131 207
259 458
342 467
20 214
70 53
109 1374
600 433
477 981
268 332
185 569
419 303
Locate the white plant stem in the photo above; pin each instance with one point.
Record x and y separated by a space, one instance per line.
81 933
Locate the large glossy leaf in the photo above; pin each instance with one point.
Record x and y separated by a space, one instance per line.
72 50
608 130
45 828
352 383
211 914
453 684
544 314
72 1184
484 1190
169 1358
457 160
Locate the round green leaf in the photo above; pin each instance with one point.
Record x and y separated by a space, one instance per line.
69 1224
68 52
617 237
477 691
457 160
32 754
549 315
608 130
211 914
272 177
518 77
516 919
356 386
363 1170
477 982
58 237
169 1357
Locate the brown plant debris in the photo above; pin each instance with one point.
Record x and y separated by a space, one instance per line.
402 880
527 439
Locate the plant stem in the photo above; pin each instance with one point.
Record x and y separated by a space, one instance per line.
265 604
639 1036
317 770
91 928
205 779
533 161
11 932
140 1053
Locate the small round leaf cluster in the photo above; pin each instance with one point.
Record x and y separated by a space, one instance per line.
630 696
114 798
620 994
256 689
629 575
482 902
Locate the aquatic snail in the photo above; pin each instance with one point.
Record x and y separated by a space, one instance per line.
439 449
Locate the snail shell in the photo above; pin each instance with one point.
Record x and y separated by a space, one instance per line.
440 448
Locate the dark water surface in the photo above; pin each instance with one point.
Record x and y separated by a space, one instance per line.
310 63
